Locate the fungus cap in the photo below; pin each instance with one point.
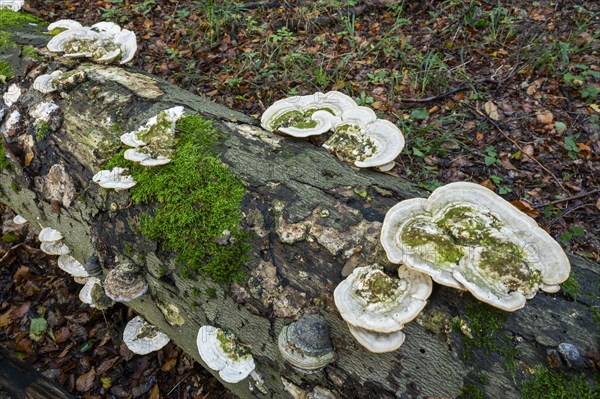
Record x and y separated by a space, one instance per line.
142 337
54 248
371 299
13 5
115 178
64 24
124 283
293 115
85 294
72 266
377 342
48 234
46 83
306 343
221 352
18 219
465 235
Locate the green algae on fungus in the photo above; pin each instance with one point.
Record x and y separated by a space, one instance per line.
196 199
465 236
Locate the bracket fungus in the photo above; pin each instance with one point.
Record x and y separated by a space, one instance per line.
115 178
221 352
466 236
103 42
306 344
377 306
13 5
72 266
125 283
47 83
18 219
153 142
365 140
51 242
142 337
303 116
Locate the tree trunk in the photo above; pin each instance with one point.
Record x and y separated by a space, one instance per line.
312 219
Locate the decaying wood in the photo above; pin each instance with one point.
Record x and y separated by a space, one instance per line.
313 218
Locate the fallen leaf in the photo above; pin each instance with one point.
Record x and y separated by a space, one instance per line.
85 381
545 117
169 364
107 365
491 110
154 393
598 203
526 208
584 150
488 184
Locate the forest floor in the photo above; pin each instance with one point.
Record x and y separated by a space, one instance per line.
504 94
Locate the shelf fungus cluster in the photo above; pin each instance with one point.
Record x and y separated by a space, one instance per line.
376 306
104 42
467 237
142 337
358 135
51 242
153 143
221 352
117 178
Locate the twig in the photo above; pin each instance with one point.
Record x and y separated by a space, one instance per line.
582 195
506 136
185 377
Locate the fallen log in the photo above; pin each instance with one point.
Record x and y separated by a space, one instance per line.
310 217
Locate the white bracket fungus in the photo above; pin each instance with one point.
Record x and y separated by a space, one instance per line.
47 83
221 352
103 42
153 142
142 337
72 266
466 236
13 5
50 242
12 95
379 305
115 178
303 116
85 294
18 219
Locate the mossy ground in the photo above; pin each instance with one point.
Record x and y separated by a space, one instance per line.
197 198
547 384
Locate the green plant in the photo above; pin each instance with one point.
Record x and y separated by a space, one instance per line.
571 286
491 157
364 99
574 232
502 187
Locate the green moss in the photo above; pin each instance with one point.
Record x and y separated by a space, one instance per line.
230 346
306 124
10 238
546 384
471 391
571 287
197 198
14 186
421 232
4 162
41 130
485 323
6 42
6 72
11 18
211 293
30 52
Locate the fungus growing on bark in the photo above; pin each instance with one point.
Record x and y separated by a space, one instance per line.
376 303
306 344
12 95
85 294
13 5
153 143
303 116
47 83
72 266
142 337
466 236
221 352
115 178
103 42
124 283
18 219
51 242
366 141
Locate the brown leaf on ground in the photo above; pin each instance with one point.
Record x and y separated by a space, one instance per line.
526 208
491 110
154 393
85 381
545 117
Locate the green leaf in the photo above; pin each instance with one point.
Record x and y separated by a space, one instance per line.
559 126
419 113
37 328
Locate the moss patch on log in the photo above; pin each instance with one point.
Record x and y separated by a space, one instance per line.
10 18
197 213
547 384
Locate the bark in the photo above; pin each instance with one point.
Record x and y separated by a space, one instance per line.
313 218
